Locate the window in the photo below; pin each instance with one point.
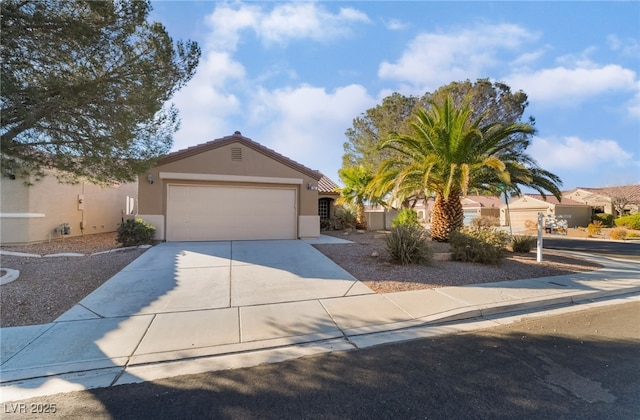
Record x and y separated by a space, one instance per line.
323 208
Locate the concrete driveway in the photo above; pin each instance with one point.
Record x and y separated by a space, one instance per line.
183 276
185 300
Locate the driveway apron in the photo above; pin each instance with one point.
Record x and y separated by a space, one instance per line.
189 299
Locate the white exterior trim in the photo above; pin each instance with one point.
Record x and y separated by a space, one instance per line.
21 215
229 178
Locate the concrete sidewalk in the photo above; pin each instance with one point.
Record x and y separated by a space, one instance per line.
189 308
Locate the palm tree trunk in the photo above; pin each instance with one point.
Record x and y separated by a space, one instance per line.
447 217
361 222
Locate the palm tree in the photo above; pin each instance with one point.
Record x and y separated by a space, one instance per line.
356 180
450 154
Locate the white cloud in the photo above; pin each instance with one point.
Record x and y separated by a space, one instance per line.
628 47
567 85
281 24
633 106
575 154
527 58
308 123
205 102
395 24
434 59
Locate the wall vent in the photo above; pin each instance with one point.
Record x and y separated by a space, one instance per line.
236 154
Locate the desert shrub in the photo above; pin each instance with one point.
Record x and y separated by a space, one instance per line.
135 232
607 220
482 245
485 221
406 217
618 233
522 243
530 224
594 228
631 221
409 244
345 216
632 235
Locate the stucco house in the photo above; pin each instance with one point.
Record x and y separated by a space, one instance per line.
50 210
602 199
475 206
231 188
524 210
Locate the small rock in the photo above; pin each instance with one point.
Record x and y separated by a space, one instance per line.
360 231
346 233
374 254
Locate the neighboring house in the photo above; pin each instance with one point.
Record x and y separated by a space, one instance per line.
231 188
523 211
480 206
602 199
378 217
472 205
50 210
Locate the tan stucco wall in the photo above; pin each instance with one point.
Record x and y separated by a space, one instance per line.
153 197
33 213
523 212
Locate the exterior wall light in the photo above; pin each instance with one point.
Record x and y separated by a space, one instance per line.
150 178
312 187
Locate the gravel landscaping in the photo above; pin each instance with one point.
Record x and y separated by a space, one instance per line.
49 286
383 276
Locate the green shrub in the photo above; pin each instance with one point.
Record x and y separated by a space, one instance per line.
409 244
483 245
522 243
345 217
631 221
604 218
594 228
135 232
406 217
618 233
485 221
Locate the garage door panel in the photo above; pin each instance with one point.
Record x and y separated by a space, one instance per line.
202 213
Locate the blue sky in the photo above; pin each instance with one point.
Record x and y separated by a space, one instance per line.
293 76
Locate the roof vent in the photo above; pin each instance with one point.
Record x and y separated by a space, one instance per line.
236 154
237 133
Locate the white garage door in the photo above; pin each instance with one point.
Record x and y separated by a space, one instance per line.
208 213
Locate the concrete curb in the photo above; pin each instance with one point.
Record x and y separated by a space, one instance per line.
124 372
9 276
71 254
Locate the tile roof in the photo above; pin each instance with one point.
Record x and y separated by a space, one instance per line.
482 201
551 199
327 186
237 137
630 192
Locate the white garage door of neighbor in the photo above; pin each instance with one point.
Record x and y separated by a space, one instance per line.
210 213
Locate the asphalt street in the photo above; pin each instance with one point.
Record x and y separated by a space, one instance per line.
578 365
614 249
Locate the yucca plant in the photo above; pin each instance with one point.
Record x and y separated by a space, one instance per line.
409 244
522 243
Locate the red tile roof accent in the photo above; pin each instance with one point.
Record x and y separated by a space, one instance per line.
631 192
326 186
483 201
237 137
551 199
